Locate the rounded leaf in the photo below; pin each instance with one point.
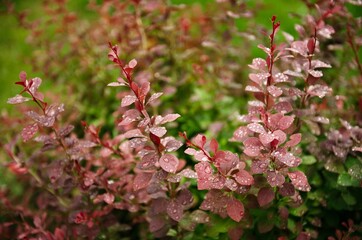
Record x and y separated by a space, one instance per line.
169 163
235 209
265 196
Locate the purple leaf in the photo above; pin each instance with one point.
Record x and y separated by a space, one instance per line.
35 85
265 196
29 131
157 223
299 180
175 210
18 99
41 119
244 178
64 131
141 180
169 163
128 100
235 209
319 90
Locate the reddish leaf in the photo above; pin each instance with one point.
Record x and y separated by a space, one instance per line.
18 99
275 91
283 107
154 97
141 180
275 179
185 198
175 210
157 223
35 85
240 134
280 136
235 233
214 146
169 163
204 173
299 180
294 140
170 118
235 209
252 146
258 167
29 131
244 178
287 190
256 127
280 77
128 100
258 64
265 196
259 78
199 140
158 131
132 63
266 138
285 122
226 161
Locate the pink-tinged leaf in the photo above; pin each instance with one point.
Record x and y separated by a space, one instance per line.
273 120
259 166
320 64
18 99
22 76
158 131
293 73
154 97
41 119
244 178
29 131
172 145
137 142
294 140
188 173
116 84
283 107
326 31
311 45
240 134
128 100
299 47
285 122
259 78
265 49
55 171
133 133
280 78
185 198
256 127
190 151
217 181
258 64
315 73
214 146
265 196
175 210
266 138
108 198
204 173
64 131
145 88
319 90
235 209
170 118
199 216
231 184
299 180
141 180
280 136
35 85
86 144
59 234
132 63
54 110
274 91
287 158
252 147
287 190
199 140
250 88
226 161
169 163
148 161
275 179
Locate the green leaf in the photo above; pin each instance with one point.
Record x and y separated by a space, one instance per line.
333 166
349 198
308 160
299 211
346 180
356 171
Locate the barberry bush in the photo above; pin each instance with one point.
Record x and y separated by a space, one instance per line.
208 136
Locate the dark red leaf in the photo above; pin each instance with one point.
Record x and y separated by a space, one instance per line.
175 210
265 196
244 178
142 180
235 209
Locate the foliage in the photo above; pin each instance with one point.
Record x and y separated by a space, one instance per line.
288 167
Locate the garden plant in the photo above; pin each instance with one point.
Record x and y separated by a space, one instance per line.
185 120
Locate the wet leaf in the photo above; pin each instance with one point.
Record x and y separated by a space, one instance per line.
299 180
235 209
265 196
175 210
169 163
29 131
